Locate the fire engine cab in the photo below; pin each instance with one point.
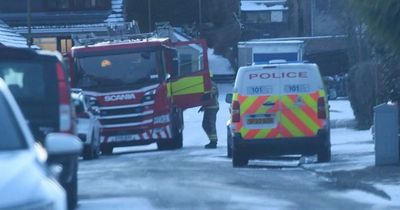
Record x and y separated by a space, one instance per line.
139 86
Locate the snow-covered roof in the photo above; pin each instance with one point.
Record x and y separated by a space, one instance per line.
10 38
266 5
117 14
70 29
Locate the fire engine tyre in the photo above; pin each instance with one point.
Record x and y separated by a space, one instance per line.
177 136
91 151
72 190
178 139
239 158
106 149
175 143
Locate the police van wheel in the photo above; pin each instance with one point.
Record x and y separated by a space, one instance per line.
239 159
106 149
229 144
324 155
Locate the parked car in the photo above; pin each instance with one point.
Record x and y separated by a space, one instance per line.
26 181
38 82
88 126
278 109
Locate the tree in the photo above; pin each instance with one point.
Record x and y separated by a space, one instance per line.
375 37
381 18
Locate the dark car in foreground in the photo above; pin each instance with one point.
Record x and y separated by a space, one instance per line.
39 84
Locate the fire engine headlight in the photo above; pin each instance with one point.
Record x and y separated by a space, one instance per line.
149 95
161 119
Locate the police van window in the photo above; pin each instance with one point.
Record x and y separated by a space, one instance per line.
258 81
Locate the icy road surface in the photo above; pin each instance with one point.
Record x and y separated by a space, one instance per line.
195 178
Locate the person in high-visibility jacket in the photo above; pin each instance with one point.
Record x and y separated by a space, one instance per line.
210 118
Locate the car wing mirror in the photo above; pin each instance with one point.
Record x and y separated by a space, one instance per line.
60 144
228 98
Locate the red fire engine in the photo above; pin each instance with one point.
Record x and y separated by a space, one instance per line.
139 86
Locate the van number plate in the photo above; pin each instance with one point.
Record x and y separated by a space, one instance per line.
260 119
121 138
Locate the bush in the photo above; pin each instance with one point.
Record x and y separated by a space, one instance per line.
362 92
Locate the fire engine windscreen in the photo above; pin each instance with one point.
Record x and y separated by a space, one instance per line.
118 70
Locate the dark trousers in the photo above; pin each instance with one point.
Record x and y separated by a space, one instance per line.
209 123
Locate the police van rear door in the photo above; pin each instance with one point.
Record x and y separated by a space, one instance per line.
301 88
259 96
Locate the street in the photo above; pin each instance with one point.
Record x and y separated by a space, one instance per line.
195 178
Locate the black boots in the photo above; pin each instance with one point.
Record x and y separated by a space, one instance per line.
211 145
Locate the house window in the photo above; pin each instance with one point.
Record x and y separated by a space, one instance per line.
258 17
92 4
58 4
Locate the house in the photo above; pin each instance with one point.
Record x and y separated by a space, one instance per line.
265 18
54 21
10 38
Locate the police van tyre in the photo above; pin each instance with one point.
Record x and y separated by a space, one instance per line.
239 158
91 151
229 144
106 149
324 153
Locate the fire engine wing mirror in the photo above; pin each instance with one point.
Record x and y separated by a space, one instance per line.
228 98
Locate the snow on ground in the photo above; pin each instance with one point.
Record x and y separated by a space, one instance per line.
364 197
340 110
116 204
218 64
351 149
193 132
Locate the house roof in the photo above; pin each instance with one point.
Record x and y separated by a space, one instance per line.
10 38
66 23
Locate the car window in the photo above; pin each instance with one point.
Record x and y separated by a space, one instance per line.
11 135
25 80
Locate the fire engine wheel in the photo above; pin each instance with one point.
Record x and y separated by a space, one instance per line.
175 143
239 158
91 151
106 149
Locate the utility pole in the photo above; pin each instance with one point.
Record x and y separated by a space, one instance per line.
29 23
149 14
200 13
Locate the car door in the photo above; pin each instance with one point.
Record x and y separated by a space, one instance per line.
191 85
